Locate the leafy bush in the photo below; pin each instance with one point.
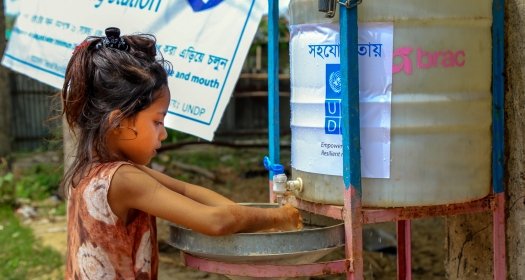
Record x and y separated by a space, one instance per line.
38 182
7 188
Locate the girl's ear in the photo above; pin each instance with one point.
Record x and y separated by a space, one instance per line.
114 119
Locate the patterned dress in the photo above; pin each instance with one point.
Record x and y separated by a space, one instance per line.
100 245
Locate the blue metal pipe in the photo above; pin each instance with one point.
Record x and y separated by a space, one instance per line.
350 100
498 95
273 82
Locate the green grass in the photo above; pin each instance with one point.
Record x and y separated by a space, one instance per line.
213 158
22 257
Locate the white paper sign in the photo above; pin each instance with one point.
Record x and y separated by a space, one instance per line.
316 98
205 40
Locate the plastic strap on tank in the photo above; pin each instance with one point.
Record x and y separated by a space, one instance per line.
350 3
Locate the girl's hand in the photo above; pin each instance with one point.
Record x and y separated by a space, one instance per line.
290 219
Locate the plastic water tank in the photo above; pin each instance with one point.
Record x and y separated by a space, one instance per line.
440 126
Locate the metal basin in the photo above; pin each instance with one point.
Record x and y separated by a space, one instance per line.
320 236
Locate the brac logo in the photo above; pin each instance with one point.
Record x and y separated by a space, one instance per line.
201 5
426 60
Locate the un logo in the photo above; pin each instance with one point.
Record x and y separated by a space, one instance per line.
335 81
201 5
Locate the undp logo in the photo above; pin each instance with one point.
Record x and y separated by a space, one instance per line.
335 81
201 5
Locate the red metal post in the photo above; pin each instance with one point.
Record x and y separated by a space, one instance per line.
332 211
266 270
404 250
380 215
354 233
499 238
270 191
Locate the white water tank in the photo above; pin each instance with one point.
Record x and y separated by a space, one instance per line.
435 129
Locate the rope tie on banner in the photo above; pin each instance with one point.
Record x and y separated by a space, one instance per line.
349 4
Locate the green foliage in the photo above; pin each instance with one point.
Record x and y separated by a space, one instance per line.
175 136
213 159
7 187
261 36
7 190
60 210
22 257
38 182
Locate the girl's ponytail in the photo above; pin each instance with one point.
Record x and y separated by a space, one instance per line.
77 83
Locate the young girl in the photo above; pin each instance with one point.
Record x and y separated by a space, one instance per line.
115 98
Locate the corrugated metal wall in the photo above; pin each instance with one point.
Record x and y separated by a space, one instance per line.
33 109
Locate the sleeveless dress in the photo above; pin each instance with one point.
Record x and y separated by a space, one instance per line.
100 245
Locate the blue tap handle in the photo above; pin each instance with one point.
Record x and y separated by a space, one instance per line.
274 167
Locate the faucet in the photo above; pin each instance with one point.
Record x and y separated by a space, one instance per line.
281 185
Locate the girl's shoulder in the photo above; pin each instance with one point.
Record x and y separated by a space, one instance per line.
125 169
128 189
112 166
101 172
130 180
106 169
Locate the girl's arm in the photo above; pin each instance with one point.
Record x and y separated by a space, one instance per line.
197 193
131 188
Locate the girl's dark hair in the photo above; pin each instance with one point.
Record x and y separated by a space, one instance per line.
100 78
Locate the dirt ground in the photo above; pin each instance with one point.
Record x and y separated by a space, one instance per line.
248 182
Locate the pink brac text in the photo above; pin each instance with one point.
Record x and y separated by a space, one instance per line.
426 59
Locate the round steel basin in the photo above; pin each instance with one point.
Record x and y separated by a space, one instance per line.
320 236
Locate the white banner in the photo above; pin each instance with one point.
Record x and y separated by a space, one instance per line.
11 7
316 98
205 40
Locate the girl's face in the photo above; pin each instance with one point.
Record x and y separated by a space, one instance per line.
138 138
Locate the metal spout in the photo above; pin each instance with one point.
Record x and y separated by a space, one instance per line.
295 186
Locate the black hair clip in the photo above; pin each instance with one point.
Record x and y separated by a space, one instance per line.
113 40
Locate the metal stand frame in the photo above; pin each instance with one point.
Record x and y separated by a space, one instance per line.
352 213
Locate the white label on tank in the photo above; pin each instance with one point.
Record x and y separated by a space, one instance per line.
316 116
